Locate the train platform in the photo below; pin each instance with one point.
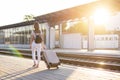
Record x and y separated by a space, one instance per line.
101 52
97 51
19 68
77 51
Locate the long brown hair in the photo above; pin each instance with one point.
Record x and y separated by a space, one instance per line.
36 26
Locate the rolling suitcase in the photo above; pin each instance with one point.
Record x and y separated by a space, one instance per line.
50 58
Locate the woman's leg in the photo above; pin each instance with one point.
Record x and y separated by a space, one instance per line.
34 54
38 54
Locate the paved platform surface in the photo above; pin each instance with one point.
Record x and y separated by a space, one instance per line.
18 68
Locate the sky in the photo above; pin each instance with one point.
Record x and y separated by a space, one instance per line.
13 11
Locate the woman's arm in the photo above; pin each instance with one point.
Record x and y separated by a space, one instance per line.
43 45
31 40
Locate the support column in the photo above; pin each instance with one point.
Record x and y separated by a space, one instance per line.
118 41
90 34
52 38
47 36
60 40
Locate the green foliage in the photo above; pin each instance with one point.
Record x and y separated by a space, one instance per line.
28 17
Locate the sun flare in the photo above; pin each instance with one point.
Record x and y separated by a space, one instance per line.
101 16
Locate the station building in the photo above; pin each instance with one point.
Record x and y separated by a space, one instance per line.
70 28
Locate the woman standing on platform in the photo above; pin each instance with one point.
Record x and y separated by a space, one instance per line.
36 46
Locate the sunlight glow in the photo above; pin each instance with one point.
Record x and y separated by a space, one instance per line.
15 51
101 63
68 26
101 16
71 23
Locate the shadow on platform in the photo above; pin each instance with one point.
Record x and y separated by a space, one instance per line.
49 74
8 76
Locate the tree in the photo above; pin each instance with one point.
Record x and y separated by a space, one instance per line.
28 17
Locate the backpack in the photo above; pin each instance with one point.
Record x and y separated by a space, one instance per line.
38 38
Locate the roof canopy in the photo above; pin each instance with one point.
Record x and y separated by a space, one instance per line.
79 11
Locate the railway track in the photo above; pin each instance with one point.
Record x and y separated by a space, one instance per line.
90 60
